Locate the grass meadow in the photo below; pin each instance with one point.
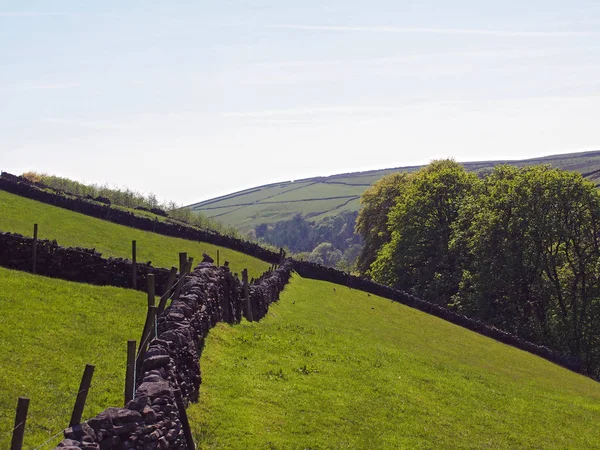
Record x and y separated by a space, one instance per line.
49 330
71 229
331 367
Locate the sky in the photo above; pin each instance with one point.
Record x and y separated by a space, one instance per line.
194 99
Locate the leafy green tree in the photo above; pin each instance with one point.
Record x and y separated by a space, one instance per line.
418 257
372 221
532 240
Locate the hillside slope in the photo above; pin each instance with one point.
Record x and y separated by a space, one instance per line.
49 330
331 367
77 230
317 198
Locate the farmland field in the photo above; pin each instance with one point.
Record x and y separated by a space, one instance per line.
18 214
314 197
49 330
331 367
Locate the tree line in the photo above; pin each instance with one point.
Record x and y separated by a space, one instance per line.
128 198
518 248
330 241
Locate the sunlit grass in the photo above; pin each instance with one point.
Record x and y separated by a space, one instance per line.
49 330
331 367
18 214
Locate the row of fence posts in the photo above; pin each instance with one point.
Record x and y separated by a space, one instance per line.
134 360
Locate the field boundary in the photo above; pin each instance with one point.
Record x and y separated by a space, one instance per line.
81 265
24 188
170 368
322 273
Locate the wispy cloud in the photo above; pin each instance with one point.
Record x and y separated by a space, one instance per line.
353 110
53 86
31 13
491 53
440 31
84 123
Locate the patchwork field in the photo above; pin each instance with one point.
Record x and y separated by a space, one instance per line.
18 214
316 198
49 330
331 367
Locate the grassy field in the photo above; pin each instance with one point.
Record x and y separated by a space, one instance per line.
331 367
18 214
311 197
49 330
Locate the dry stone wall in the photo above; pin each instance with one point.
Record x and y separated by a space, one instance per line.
76 264
152 420
23 187
318 272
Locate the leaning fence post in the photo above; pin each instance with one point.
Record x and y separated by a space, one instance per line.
34 249
84 387
151 289
162 304
182 261
20 419
185 424
186 269
247 295
148 329
134 264
130 374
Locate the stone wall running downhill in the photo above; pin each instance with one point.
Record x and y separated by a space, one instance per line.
151 420
76 264
25 188
319 272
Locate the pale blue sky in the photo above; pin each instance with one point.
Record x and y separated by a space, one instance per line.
192 99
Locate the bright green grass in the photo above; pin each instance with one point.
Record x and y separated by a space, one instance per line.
18 214
341 369
49 330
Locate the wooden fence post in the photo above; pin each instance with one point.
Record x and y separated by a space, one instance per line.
20 419
151 289
217 257
129 376
249 314
34 249
186 269
84 387
162 304
148 329
134 264
182 261
185 424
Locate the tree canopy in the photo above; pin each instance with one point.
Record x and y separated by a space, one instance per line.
519 249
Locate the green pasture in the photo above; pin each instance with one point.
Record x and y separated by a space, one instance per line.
18 214
49 330
331 367
251 208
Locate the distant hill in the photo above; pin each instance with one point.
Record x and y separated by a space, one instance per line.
321 197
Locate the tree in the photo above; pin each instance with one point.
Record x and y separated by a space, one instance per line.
418 257
532 241
371 224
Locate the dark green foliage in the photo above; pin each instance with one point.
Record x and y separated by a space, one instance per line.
371 224
532 250
418 257
128 198
331 241
519 249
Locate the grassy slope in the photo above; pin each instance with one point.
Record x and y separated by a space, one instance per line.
18 214
49 330
341 369
246 209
